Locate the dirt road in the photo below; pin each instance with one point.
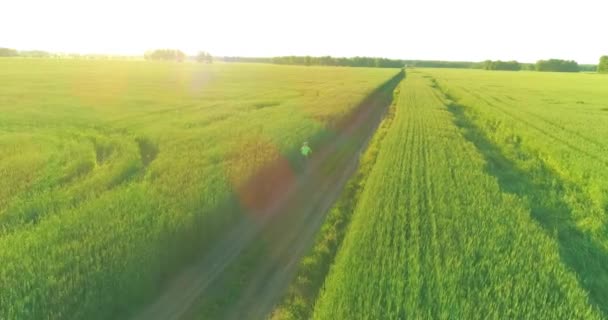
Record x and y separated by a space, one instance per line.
285 225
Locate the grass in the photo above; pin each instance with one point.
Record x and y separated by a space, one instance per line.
436 234
114 174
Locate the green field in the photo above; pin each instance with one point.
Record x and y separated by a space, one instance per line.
545 140
447 236
112 172
481 195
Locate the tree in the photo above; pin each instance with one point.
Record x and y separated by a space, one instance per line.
205 57
308 60
35 54
557 65
587 67
165 54
501 65
529 66
7 52
442 64
602 67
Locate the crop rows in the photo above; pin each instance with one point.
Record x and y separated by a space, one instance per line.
434 236
113 174
549 133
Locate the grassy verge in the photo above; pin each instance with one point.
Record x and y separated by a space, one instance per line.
298 302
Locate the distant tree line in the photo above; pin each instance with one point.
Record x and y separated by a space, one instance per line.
587 67
557 65
35 54
541 65
371 62
204 57
602 67
528 66
247 59
165 55
7 52
443 64
501 65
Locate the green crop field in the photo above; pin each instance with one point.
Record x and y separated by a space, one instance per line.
550 132
487 201
256 160
132 187
111 172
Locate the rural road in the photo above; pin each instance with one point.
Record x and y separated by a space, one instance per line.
287 227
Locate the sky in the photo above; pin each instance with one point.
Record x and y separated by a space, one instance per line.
460 30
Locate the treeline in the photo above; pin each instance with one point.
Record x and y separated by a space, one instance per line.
602 67
7 52
557 65
371 62
177 55
502 65
204 56
587 67
553 65
246 59
165 55
442 64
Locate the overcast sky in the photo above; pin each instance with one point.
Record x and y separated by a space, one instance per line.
409 29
